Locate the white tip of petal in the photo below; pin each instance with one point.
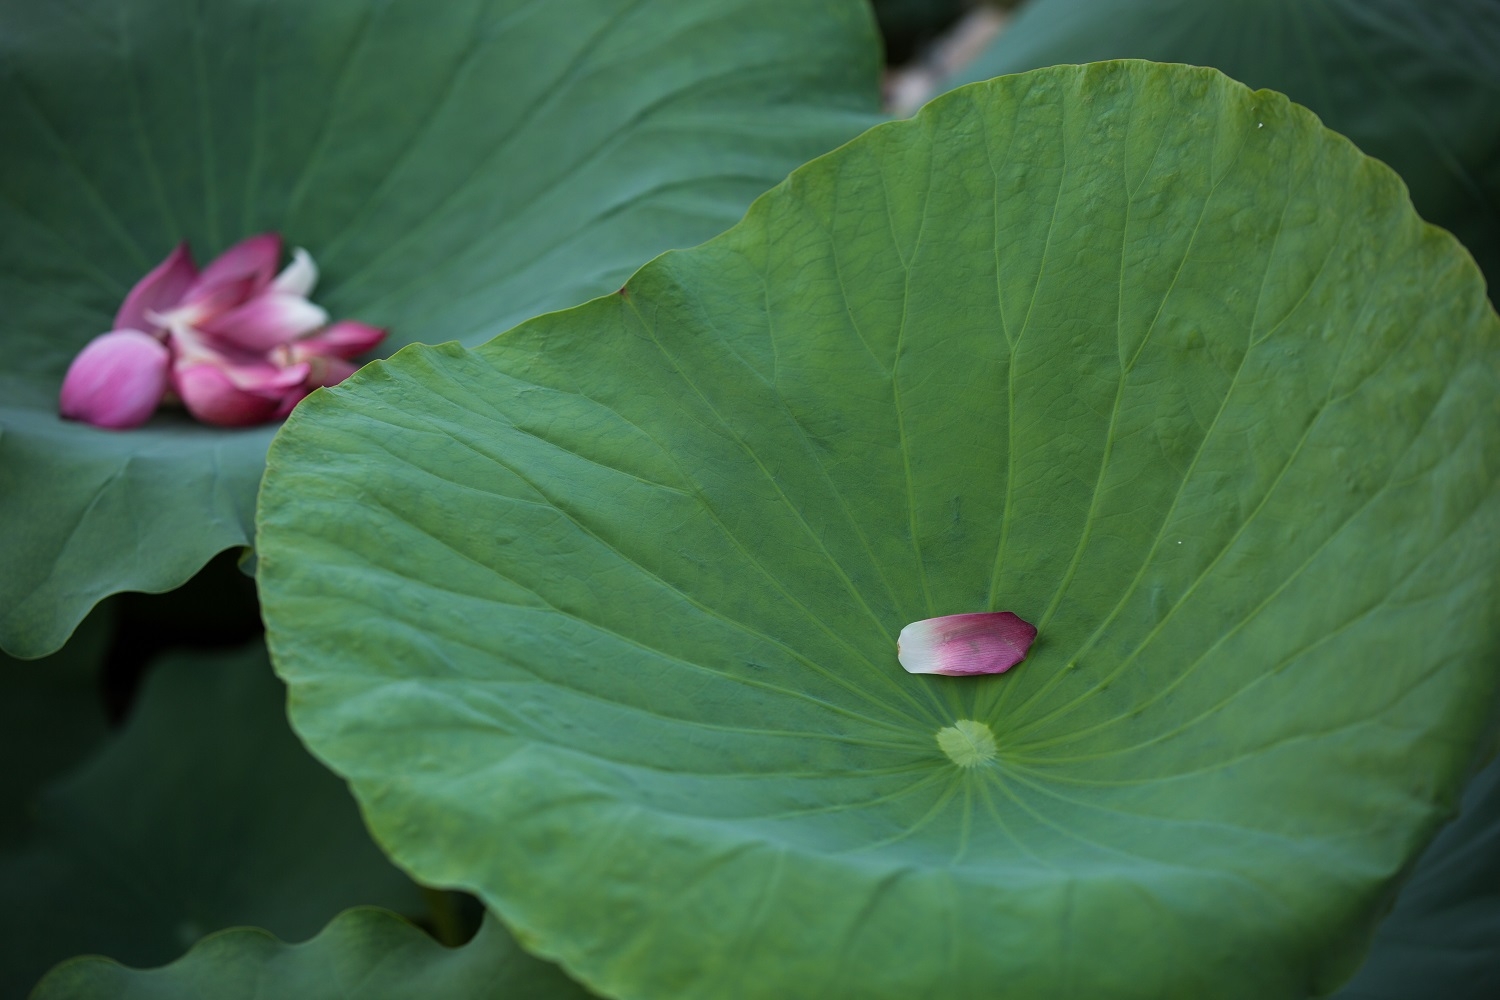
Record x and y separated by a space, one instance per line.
965 645
266 321
299 277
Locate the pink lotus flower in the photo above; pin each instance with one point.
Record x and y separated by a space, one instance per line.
237 343
965 645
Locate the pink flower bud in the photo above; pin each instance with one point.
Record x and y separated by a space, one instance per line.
116 381
964 645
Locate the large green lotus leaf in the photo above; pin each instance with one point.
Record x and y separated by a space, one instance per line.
454 168
600 618
1412 82
366 953
1443 937
204 812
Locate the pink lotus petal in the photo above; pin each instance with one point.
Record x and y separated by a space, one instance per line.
210 305
347 338
268 379
236 396
116 381
252 261
161 289
299 277
322 371
266 321
228 388
965 645
209 395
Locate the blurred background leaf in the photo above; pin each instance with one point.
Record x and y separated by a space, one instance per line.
52 714
1415 83
907 25
366 953
203 812
1442 940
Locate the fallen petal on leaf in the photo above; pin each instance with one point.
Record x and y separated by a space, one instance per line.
206 307
348 338
965 645
217 390
266 378
117 381
254 259
161 289
237 343
210 396
266 321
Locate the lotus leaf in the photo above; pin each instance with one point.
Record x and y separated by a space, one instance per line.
454 168
599 618
1440 940
202 813
367 953
1412 82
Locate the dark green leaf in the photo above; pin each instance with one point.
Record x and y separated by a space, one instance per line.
203 813
907 25
1412 82
51 716
365 953
1443 938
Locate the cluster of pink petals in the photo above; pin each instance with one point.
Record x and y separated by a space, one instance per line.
964 645
237 343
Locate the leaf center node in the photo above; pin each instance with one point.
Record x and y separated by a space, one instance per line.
967 743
